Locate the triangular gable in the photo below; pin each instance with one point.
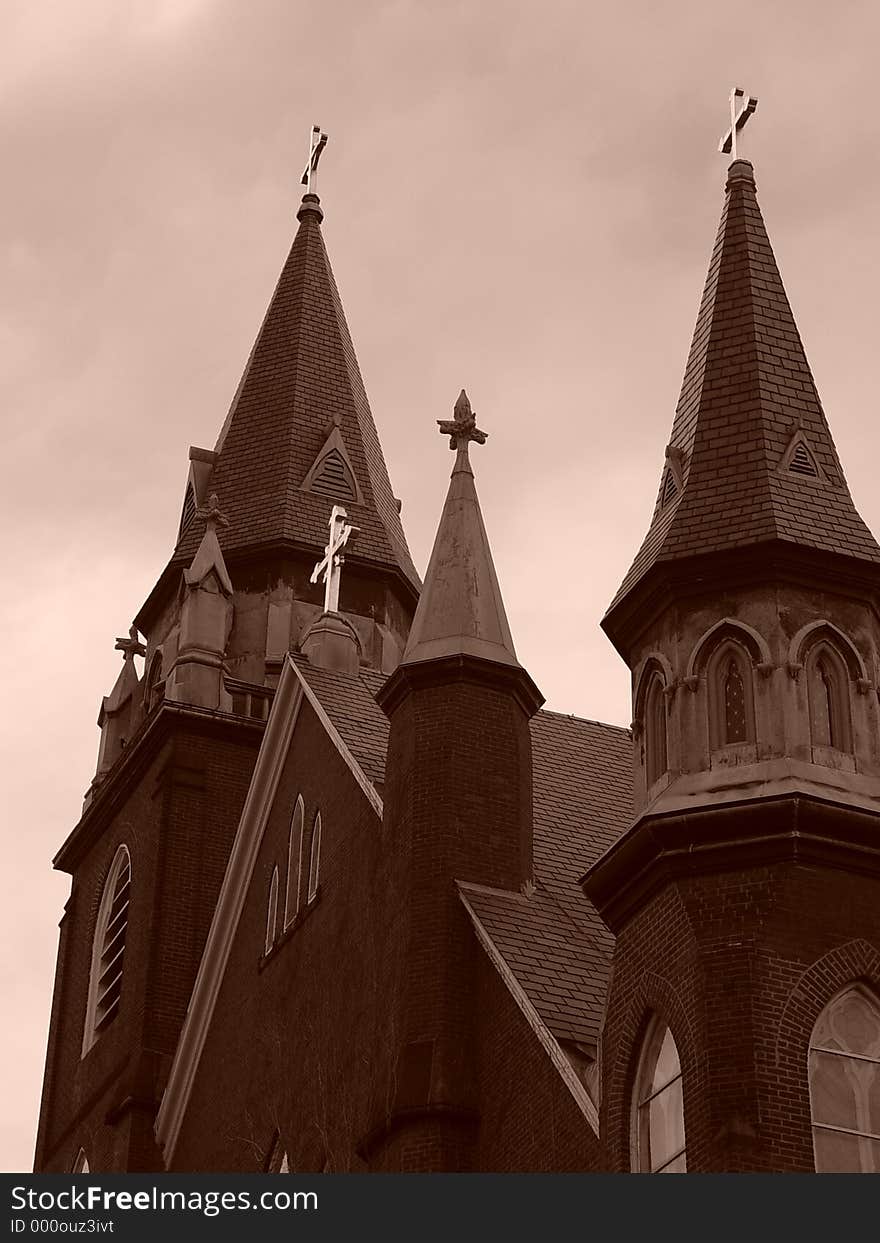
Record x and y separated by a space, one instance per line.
292 691
799 458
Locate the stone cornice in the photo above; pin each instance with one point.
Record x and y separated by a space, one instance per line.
791 828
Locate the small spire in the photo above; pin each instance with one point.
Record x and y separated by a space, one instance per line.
461 430
209 555
460 610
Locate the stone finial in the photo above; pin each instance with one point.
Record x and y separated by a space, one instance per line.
131 646
211 514
462 429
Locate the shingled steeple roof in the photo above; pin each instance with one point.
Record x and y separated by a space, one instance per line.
751 458
299 435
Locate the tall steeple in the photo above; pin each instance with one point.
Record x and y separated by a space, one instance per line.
750 460
298 438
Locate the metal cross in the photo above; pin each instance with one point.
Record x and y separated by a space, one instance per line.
462 428
317 143
330 566
737 119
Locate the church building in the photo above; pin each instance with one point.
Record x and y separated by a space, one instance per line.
346 897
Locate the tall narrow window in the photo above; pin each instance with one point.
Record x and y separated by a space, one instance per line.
655 732
315 859
294 864
828 693
734 704
155 687
272 911
844 1068
108 950
658 1123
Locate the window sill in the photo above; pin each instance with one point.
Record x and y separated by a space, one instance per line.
831 757
736 753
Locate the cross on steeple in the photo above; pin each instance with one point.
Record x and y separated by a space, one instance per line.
331 564
462 429
727 146
317 143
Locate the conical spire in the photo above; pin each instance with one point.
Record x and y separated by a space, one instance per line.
750 458
300 400
460 610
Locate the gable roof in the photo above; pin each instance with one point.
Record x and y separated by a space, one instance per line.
301 385
747 390
554 949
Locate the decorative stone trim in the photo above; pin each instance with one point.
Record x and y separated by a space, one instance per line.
794 670
669 691
691 683
863 685
765 668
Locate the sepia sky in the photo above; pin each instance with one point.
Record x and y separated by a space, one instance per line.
520 198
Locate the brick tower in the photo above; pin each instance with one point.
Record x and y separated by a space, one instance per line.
458 809
745 897
178 745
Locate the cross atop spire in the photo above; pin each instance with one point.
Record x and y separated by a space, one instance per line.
738 118
461 430
317 143
331 565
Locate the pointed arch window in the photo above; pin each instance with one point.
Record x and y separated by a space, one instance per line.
844 1071
731 703
81 1164
315 859
658 1108
828 695
656 744
108 950
154 691
294 863
272 911
734 703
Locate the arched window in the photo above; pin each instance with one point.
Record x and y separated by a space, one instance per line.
658 1113
272 911
81 1164
828 695
731 698
294 864
154 690
844 1072
656 761
315 859
108 950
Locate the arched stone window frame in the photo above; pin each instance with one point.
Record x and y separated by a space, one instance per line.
294 862
651 716
729 640
821 648
652 1095
844 1114
108 938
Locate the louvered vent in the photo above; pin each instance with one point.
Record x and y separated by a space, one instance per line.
333 479
669 488
189 509
109 986
801 463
